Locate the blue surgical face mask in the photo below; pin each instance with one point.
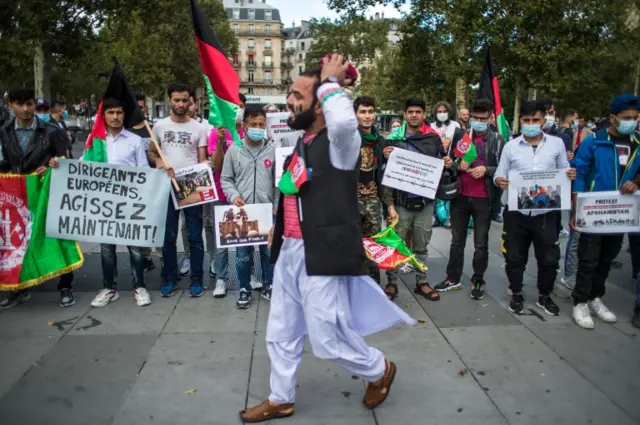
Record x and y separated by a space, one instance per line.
44 117
575 124
626 126
65 115
531 130
478 126
256 134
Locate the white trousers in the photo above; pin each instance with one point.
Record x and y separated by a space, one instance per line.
320 307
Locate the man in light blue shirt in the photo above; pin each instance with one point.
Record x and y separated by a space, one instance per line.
532 151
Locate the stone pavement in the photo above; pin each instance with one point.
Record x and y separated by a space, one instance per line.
199 361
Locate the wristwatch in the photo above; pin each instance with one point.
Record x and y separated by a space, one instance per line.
330 80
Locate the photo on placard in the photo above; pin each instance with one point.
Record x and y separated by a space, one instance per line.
243 226
195 186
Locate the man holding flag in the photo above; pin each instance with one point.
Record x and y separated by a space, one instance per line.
476 159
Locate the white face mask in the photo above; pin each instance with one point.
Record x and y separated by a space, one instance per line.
442 116
551 120
239 115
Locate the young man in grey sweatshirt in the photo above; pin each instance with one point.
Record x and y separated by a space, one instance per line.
248 177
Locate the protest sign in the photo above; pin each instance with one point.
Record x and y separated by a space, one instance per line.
543 190
413 173
113 204
242 226
279 132
608 212
196 186
281 155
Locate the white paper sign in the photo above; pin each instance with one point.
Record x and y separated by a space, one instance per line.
542 190
279 132
281 155
242 226
196 186
608 212
112 204
413 172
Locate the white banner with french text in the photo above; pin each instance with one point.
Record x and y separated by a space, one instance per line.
111 204
608 212
413 172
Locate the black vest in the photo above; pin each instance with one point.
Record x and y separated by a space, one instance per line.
330 219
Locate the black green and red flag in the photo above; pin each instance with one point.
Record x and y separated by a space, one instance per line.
95 148
490 89
220 78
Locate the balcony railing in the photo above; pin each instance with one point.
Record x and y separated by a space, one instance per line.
286 65
258 32
251 64
267 65
257 82
268 48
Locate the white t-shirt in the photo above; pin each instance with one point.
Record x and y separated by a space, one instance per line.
208 127
445 130
180 141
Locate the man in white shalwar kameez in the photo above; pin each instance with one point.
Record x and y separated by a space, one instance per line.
320 286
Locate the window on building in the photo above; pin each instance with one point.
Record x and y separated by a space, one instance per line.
251 28
302 46
299 70
235 59
267 15
267 29
267 43
250 90
251 60
267 60
250 43
267 76
236 13
236 28
252 15
250 76
300 56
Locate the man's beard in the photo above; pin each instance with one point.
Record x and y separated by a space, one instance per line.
179 111
303 120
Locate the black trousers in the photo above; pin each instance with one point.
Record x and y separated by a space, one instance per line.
595 255
519 232
65 282
634 244
461 209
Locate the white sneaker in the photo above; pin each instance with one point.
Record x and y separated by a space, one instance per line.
569 282
601 311
142 297
221 289
509 292
256 285
582 317
564 233
105 297
186 267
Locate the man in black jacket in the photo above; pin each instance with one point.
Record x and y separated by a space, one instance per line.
477 193
28 144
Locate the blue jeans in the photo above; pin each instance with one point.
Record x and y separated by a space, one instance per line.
110 266
244 255
221 255
193 218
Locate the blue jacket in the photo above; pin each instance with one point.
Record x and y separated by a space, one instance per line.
598 166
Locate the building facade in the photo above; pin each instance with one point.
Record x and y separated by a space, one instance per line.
298 42
260 61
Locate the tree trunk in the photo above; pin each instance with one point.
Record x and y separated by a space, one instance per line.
461 93
516 110
635 87
42 70
533 94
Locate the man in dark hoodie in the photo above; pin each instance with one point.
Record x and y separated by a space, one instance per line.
370 162
414 211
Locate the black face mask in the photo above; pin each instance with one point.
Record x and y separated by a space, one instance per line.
303 120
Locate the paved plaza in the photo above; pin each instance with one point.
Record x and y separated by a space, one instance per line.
199 361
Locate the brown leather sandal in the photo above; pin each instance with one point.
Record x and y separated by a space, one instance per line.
266 411
391 291
430 294
377 392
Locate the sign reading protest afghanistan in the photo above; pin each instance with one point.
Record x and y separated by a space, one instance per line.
413 172
279 131
608 212
542 190
112 204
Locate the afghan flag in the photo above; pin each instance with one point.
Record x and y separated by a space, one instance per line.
389 251
466 149
27 257
95 149
295 175
490 89
220 78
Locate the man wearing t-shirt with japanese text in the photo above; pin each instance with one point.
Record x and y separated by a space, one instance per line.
184 144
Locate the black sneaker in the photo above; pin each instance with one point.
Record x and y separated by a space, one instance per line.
14 298
477 289
447 285
66 298
635 320
244 300
546 303
148 264
517 303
